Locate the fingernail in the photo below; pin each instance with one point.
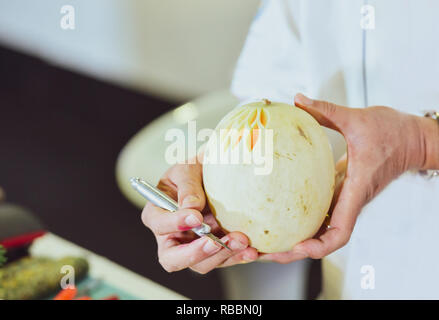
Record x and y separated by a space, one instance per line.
237 245
302 99
190 201
184 228
210 247
192 221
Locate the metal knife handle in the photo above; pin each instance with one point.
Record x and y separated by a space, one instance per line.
162 200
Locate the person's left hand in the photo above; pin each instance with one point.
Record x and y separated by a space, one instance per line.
382 143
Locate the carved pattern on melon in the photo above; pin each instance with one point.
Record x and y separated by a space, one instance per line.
244 126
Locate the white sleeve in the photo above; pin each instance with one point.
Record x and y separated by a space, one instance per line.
270 65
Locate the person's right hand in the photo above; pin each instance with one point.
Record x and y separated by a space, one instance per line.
180 248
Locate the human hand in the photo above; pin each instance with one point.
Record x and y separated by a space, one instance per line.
382 143
180 248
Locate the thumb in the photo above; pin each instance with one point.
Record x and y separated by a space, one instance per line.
189 182
327 114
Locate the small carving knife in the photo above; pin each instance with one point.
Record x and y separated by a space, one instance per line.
162 200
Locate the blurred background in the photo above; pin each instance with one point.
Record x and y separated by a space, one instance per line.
70 100
172 49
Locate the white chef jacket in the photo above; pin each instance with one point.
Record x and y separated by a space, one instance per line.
387 54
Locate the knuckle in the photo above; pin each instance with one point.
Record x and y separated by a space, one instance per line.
158 230
199 270
330 108
317 255
168 267
161 226
145 217
157 223
346 236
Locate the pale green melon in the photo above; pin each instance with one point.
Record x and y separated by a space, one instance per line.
289 204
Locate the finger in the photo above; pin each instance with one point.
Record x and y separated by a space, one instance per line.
284 257
336 236
331 240
189 182
168 187
342 222
179 257
342 163
235 240
214 225
248 255
327 114
340 174
162 221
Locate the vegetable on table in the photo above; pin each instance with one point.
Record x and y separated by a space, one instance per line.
37 277
2 255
